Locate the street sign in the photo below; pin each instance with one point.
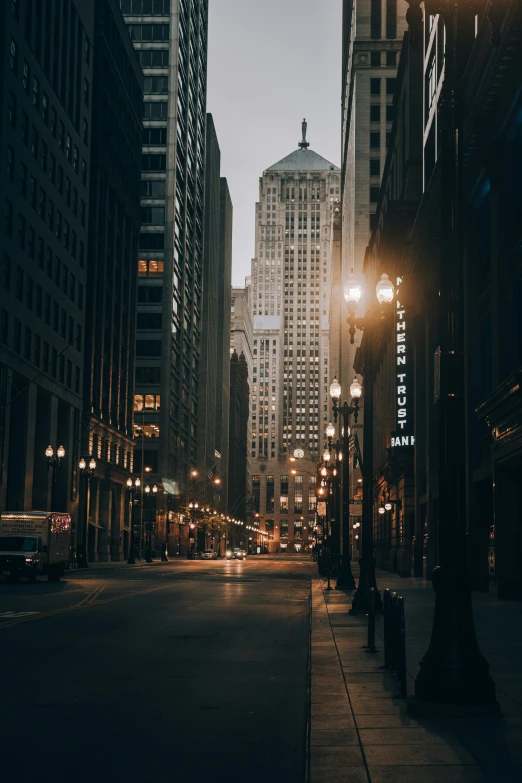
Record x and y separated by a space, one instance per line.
356 508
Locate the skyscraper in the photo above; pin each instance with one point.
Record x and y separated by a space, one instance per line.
110 321
291 305
372 38
46 73
171 41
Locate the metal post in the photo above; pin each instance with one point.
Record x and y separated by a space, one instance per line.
345 579
361 598
130 559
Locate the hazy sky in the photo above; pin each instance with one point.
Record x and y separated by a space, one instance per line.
271 63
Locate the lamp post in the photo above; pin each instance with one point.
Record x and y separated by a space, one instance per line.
132 487
87 472
149 494
54 463
193 507
345 578
370 323
453 671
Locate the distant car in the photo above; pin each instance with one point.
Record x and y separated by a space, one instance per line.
209 554
234 554
243 552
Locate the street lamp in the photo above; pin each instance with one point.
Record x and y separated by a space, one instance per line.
453 671
87 472
384 292
345 579
132 487
54 463
150 493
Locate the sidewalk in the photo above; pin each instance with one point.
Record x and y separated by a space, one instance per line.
360 729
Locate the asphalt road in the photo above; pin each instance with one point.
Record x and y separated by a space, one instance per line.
181 671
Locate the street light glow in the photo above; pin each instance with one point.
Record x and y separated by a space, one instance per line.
335 389
355 389
384 290
330 430
353 290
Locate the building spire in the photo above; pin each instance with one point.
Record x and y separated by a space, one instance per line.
304 144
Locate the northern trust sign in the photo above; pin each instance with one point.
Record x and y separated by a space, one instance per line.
403 435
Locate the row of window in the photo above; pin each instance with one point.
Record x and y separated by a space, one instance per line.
25 235
154 58
148 32
376 82
55 269
41 103
32 348
145 7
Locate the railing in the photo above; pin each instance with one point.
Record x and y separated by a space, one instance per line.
395 637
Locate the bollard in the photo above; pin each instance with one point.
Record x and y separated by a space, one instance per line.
400 666
371 622
393 627
386 600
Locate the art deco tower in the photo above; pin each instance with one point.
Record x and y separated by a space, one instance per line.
290 307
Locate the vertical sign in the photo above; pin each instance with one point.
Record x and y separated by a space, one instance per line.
403 435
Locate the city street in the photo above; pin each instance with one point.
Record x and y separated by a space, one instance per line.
188 670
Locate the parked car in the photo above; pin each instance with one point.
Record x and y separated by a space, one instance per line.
234 554
209 554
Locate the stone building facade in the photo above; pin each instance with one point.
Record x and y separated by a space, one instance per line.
291 280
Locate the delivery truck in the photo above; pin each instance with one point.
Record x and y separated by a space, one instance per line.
34 543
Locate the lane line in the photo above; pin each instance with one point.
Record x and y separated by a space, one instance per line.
84 605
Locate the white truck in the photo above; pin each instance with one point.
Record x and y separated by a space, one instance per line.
34 543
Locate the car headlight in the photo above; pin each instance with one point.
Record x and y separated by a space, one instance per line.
229 553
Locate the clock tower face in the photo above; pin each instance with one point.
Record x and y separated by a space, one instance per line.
299 453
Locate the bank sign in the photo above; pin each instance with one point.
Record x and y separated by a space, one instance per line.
403 435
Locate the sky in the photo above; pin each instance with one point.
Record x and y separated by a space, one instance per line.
270 64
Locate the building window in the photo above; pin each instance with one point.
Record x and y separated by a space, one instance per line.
298 495
283 495
390 86
375 167
391 59
375 86
375 113
375 59
150 268
311 493
13 56
10 163
374 194
375 140
391 19
256 491
146 402
270 494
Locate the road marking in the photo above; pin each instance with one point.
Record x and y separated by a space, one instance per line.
91 597
10 615
84 604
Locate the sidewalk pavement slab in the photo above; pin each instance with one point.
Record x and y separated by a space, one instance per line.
360 728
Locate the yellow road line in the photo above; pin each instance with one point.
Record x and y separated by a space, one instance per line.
91 596
83 604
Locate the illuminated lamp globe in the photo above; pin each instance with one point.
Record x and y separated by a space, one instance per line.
330 431
82 464
324 472
92 464
335 389
326 456
355 389
384 290
60 453
388 506
138 482
381 510
353 290
129 483
49 451
147 489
